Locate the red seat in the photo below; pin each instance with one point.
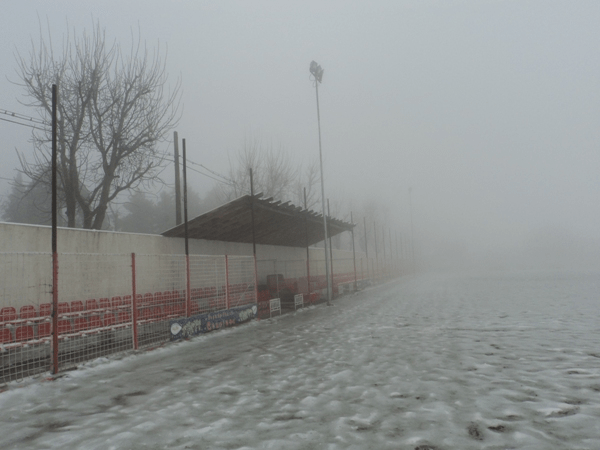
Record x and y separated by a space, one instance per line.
45 309
158 299
195 308
179 308
27 312
25 333
80 324
91 304
148 299
109 319
157 313
76 306
5 336
44 329
104 303
167 297
8 314
95 321
116 302
127 300
63 308
169 311
124 317
64 326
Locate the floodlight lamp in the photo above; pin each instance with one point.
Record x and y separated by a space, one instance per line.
316 71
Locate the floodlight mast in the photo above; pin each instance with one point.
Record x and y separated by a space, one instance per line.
317 72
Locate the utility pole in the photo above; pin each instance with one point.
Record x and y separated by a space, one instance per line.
177 182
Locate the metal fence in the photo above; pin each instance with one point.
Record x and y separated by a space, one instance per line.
107 303
112 303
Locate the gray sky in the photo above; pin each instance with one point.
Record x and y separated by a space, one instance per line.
489 110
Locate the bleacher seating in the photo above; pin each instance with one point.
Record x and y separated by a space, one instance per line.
91 304
80 324
95 321
44 329
64 326
45 309
5 336
115 302
27 312
8 314
24 333
123 317
104 303
109 319
76 306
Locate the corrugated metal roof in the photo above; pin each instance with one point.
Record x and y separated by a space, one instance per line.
276 223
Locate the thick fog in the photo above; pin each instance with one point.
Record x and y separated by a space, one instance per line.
489 111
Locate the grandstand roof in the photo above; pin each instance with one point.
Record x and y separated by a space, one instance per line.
276 223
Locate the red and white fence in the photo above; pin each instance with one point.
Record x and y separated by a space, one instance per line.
107 303
112 303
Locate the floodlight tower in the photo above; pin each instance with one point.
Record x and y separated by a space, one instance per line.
317 72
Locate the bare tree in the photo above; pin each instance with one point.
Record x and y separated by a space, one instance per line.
275 174
114 111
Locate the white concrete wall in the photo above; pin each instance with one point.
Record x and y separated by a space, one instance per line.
97 264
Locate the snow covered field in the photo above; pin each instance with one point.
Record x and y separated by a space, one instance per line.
434 362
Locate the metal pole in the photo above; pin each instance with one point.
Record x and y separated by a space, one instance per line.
383 245
397 257
353 252
366 245
412 231
330 248
392 265
177 181
376 253
134 305
329 283
307 246
188 296
54 232
252 213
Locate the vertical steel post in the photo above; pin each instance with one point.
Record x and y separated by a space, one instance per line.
253 237
366 245
177 181
412 230
376 268
383 245
329 281
227 303
330 250
188 295
54 231
134 305
353 252
307 246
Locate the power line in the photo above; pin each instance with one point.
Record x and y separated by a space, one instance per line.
223 179
211 171
22 116
23 124
213 178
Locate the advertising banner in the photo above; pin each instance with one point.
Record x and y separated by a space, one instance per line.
203 323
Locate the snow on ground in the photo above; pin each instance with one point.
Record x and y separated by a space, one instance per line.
433 362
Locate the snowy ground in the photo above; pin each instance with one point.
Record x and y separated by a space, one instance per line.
435 362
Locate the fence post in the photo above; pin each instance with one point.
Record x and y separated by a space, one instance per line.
226 282
188 292
55 312
255 282
134 309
